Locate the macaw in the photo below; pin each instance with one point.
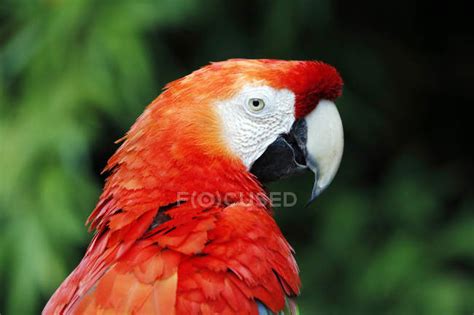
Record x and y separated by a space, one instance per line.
184 224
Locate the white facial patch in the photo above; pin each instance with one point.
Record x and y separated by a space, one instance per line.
248 128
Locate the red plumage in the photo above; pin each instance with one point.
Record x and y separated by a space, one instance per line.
154 250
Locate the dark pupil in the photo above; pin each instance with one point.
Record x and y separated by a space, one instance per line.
255 103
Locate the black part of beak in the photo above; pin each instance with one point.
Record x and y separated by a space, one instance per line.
286 156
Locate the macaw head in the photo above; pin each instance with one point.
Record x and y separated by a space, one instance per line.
281 118
219 125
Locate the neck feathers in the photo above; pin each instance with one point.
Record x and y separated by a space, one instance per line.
164 159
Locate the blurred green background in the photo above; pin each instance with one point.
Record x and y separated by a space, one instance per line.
394 234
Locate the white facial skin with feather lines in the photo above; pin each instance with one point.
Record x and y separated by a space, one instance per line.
250 131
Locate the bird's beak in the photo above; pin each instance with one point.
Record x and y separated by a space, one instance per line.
315 142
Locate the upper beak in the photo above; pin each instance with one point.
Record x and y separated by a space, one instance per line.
325 144
315 142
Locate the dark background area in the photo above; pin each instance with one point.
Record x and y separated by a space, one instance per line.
394 234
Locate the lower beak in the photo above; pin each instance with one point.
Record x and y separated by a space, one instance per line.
315 142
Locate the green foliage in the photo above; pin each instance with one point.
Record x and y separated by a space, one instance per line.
63 64
394 234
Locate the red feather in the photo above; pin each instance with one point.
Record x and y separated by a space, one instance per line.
194 259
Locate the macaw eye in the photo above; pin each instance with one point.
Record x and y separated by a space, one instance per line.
256 104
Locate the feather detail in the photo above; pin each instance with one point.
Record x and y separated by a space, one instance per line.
157 252
223 260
